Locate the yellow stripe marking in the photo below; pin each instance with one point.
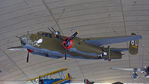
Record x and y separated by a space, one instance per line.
134 46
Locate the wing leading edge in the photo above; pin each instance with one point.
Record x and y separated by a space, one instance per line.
124 69
111 40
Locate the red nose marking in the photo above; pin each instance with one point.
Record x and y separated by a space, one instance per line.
30 50
70 43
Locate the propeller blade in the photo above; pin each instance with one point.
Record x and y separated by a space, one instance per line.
74 35
27 59
65 54
109 55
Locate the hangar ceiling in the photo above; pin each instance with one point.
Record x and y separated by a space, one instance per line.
91 18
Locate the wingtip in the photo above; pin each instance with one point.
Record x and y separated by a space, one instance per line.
16 48
137 37
11 49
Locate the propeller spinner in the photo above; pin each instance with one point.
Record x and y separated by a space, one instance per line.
68 42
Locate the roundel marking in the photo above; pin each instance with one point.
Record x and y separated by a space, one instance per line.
69 45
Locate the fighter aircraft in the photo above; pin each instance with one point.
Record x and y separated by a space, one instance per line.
54 45
135 70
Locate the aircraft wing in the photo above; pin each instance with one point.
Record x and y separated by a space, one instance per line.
99 41
17 48
124 69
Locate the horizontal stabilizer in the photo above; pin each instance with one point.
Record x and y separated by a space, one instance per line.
119 49
16 48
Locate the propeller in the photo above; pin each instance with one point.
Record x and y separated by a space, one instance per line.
65 54
109 55
72 37
68 42
27 58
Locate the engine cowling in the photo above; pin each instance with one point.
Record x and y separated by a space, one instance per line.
106 53
69 44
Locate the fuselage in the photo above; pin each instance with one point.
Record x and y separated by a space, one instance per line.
48 44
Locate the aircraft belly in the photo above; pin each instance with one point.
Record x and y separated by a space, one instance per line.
55 54
50 54
44 52
114 55
73 53
80 54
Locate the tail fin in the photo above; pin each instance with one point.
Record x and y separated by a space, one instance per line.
133 46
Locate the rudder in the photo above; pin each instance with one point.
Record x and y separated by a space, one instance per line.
133 46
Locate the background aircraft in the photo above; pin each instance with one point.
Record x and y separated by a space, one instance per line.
55 45
135 70
143 69
55 77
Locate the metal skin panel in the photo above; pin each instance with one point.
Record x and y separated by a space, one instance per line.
51 45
